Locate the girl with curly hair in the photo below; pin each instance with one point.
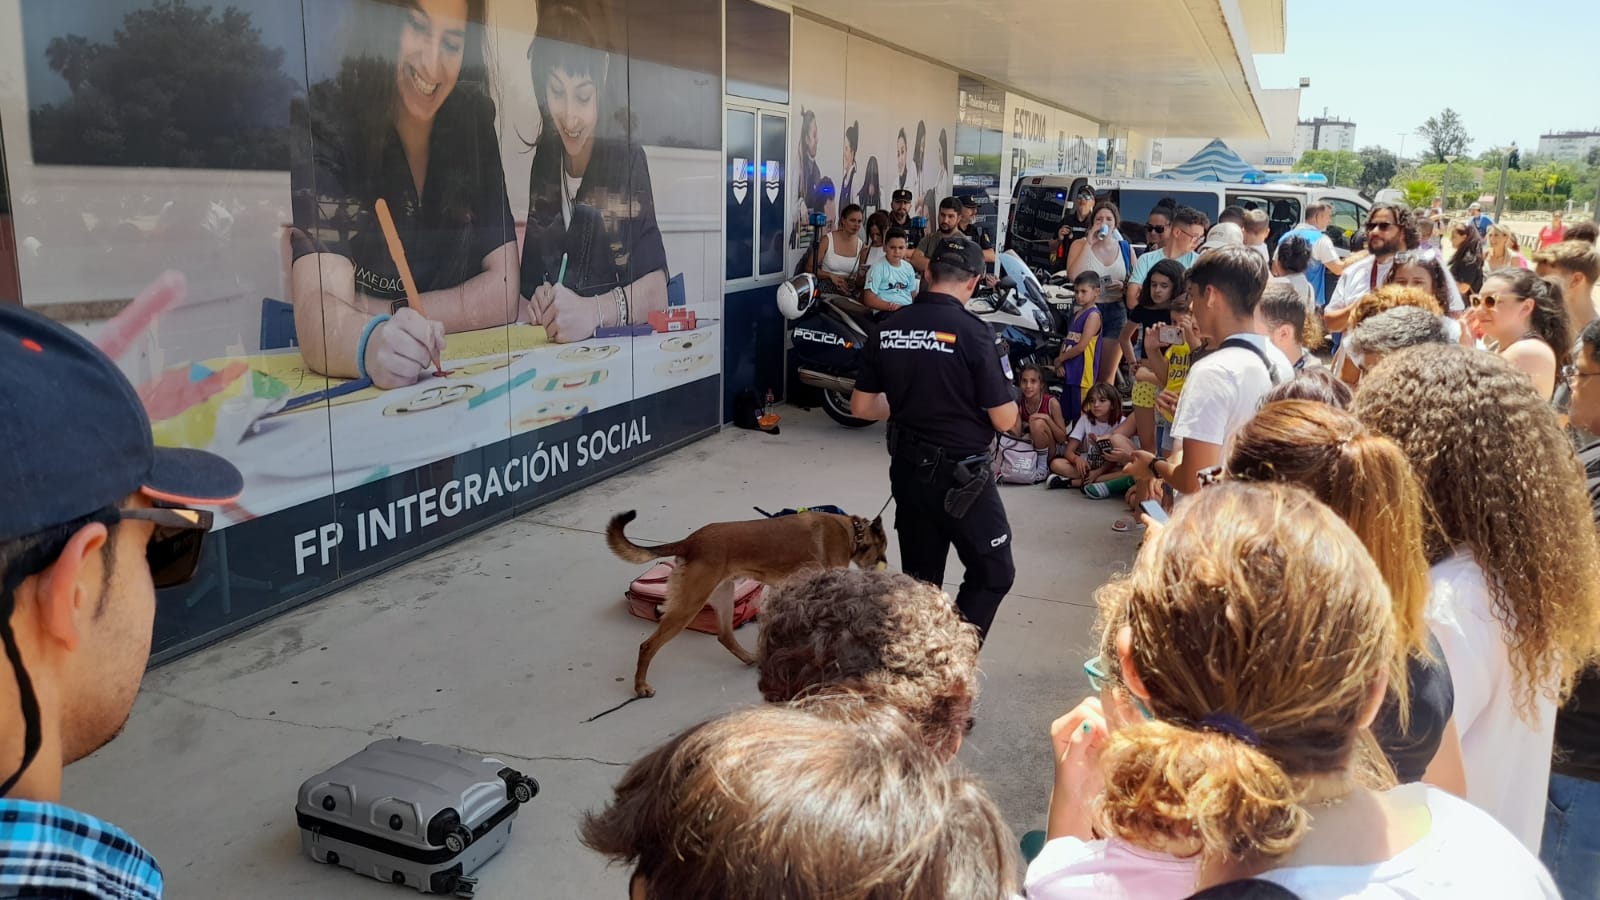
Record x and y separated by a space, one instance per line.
1240 663
1515 560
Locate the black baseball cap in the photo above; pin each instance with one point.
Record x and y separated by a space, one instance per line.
900 196
969 201
75 438
961 253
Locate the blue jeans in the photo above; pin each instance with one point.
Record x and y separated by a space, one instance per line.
1571 848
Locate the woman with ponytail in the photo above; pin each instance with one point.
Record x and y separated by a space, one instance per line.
1241 662
1367 480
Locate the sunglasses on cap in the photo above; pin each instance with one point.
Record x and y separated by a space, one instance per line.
1407 257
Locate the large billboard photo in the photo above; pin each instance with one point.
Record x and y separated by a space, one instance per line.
438 259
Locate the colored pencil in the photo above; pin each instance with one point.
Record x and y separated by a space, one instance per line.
397 252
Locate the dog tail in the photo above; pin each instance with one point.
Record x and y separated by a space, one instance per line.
628 550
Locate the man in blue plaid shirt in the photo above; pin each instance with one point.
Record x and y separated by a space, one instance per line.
96 519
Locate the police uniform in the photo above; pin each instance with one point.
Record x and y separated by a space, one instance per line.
975 232
939 368
1077 229
913 233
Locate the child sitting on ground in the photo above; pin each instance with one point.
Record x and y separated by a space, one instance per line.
1039 414
1099 434
1076 363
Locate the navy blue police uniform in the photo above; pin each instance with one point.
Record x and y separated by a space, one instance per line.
939 369
914 233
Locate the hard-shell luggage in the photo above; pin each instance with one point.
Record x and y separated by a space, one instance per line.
649 591
413 813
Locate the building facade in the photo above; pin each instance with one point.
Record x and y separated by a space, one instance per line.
1569 146
1324 133
596 318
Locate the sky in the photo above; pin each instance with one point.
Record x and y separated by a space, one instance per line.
1513 70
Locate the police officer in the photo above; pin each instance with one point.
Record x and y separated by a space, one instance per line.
900 215
934 373
974 230
1075 225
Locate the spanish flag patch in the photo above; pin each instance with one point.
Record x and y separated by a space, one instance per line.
944 337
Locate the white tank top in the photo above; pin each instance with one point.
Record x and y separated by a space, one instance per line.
839 263
875 255
1112 277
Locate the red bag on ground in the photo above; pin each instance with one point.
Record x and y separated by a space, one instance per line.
649 591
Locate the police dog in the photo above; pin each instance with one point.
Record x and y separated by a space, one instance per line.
765 550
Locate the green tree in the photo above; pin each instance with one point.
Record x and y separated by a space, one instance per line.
1420 192
1341 166
1594 157
177 85
1378 168
1445 134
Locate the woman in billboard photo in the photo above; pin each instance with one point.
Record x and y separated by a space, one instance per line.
407 120
870 197
919 159
593 255
852 140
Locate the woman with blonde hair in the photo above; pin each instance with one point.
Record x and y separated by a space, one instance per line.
1515 561
1240 662
1504 252
834 796
1367 480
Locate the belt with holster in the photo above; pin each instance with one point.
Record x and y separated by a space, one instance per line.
967 474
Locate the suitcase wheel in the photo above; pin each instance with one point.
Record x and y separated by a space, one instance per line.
458 840
525 790
398 877
331 858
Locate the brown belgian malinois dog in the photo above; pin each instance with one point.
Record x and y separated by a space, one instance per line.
764 550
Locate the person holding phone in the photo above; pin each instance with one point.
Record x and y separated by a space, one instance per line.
408 120
593 255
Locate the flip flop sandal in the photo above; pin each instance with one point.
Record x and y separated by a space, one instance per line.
1127 525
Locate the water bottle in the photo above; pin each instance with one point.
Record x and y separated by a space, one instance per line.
766 409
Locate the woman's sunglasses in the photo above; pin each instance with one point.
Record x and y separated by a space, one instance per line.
1487 301
1099 680
1156 229
173 552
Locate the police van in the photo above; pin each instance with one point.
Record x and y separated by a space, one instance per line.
1038 203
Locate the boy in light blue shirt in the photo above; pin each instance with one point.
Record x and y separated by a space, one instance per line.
892 281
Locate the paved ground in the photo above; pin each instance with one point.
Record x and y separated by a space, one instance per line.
507 641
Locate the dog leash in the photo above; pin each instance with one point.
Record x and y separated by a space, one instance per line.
612 709
885 507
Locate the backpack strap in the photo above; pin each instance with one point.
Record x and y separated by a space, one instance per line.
1127 257
1272 370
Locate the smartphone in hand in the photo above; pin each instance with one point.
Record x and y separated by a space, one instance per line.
1153 509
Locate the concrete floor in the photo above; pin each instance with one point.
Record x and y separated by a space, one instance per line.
505 642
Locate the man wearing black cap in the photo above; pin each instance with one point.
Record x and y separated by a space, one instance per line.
1075 225
96 519
934 373
900 215
974 230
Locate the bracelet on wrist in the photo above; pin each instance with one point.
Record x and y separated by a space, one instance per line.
366 336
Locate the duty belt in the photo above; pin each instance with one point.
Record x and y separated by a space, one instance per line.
968 474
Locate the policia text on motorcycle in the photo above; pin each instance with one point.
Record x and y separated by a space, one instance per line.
934 373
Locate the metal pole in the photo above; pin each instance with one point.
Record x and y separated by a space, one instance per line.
1500 195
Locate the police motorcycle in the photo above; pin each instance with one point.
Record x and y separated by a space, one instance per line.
828 334
1029 316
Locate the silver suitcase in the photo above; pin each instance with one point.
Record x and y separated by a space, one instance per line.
423 815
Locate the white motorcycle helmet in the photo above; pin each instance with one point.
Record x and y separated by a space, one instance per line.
797 295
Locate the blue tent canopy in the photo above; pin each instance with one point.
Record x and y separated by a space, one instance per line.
1215 162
